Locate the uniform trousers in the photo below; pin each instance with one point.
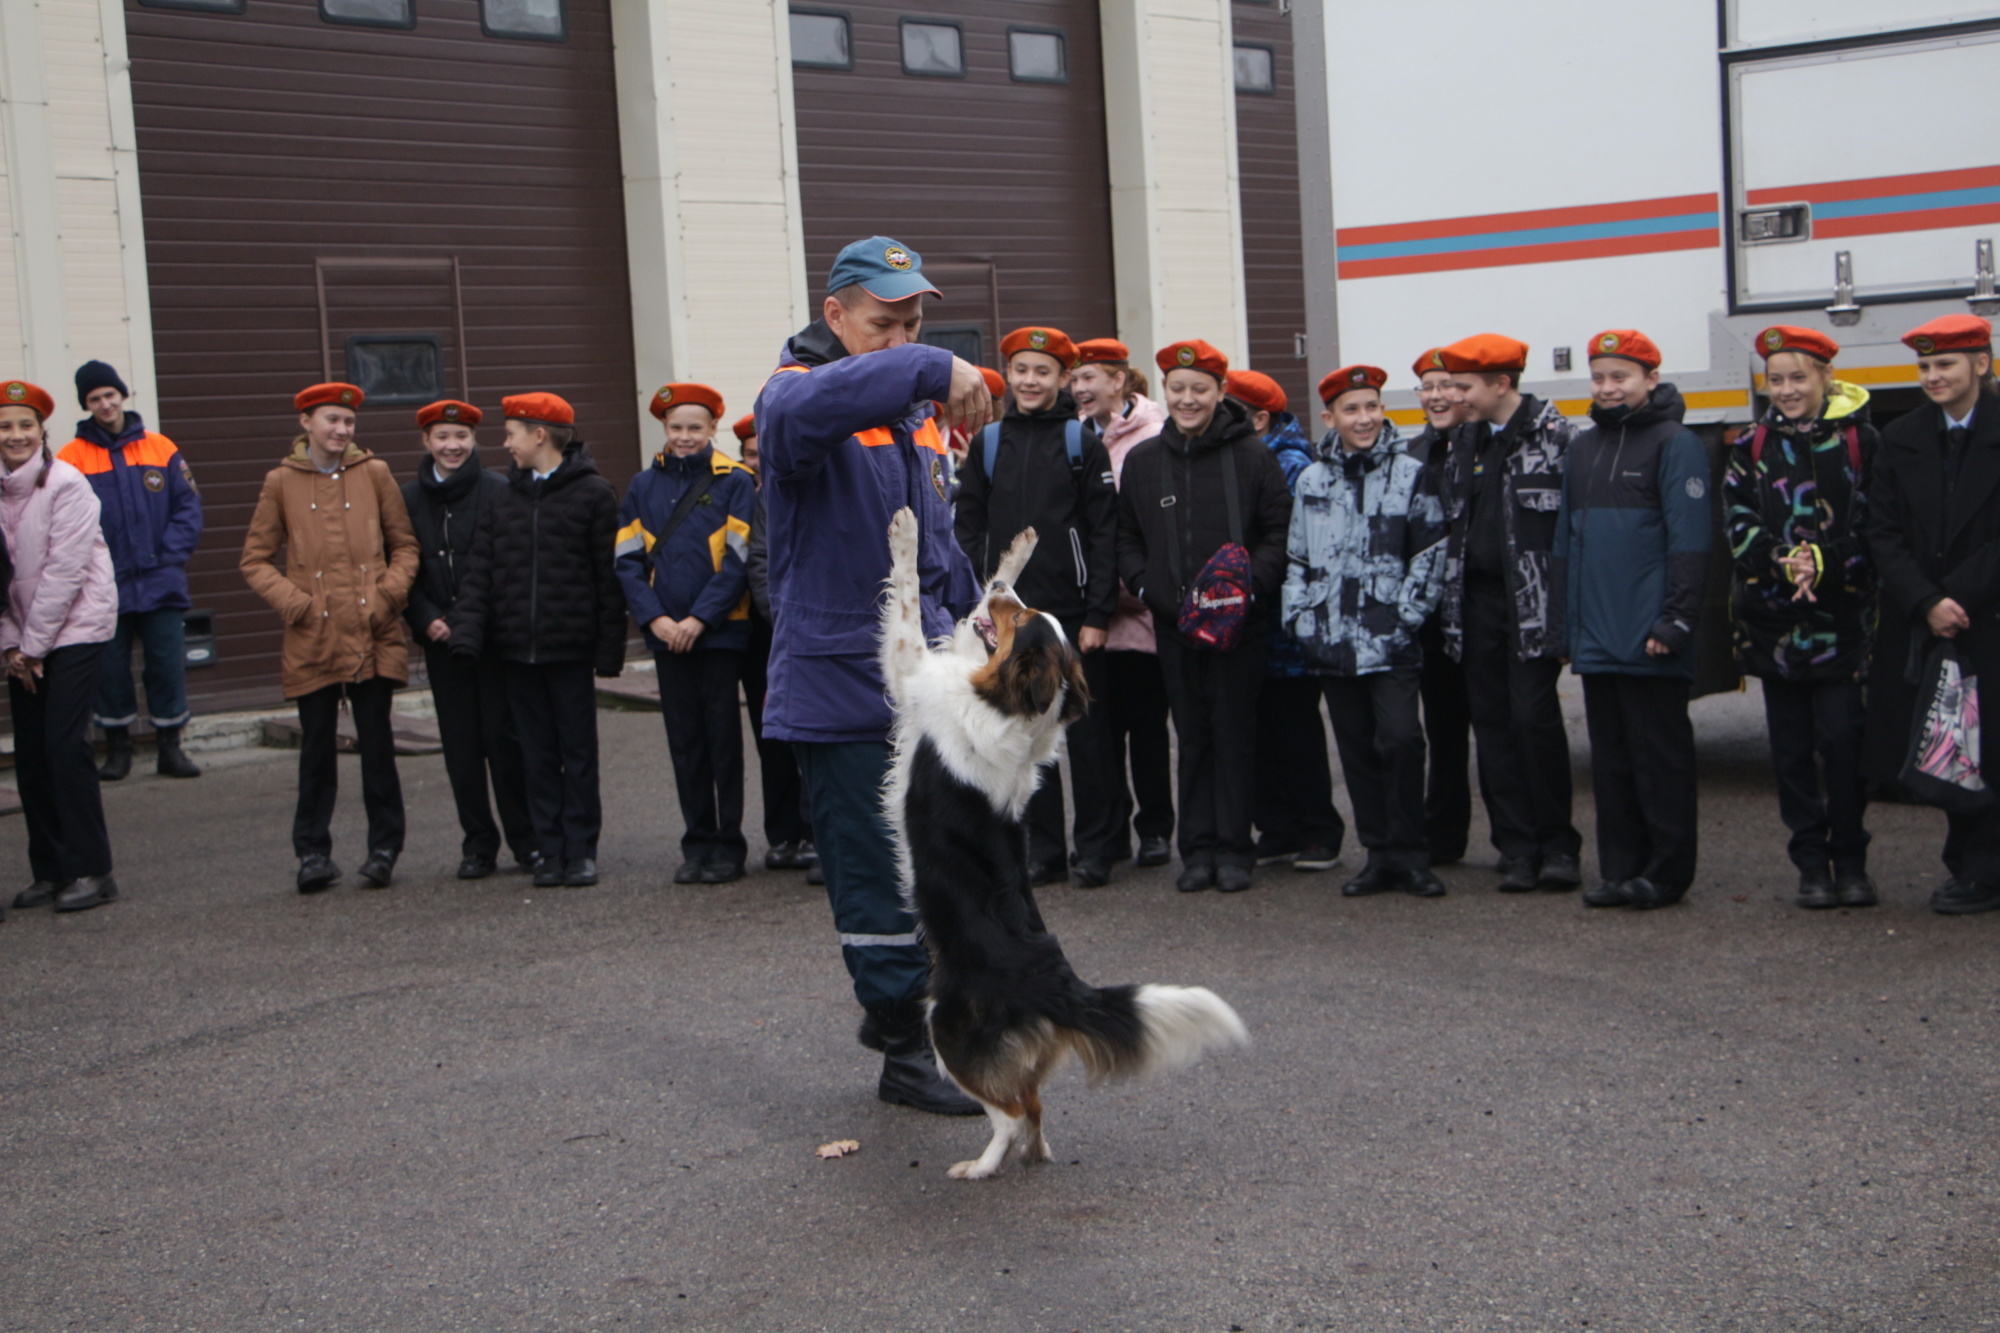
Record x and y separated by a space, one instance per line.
162 639
1294 780
1448 744
1816 742
698 701
555 715
1642 774
785 818
477 729
1213 697
319 766
1524 763
1380 732
1100 832
857 854
56 769
1135 710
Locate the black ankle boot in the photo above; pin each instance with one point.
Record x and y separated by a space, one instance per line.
910 1076
173 761
117 754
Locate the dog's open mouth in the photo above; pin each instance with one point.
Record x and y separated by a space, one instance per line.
983 627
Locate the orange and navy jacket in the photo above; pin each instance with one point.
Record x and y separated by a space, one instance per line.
702 569
846 442
149 509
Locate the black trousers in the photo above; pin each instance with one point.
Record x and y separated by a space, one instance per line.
1642 773
786 818
1213 697
319 767
56 768
1816 729
555 715
1448 742
1100 830
705 737
1136 711
1294 780
1524 764
1380 732
477 729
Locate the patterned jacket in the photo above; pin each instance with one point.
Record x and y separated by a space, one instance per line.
1537 446
1366 555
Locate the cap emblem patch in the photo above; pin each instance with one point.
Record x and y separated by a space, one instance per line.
1608 343
1924 343
1437 360
1185 356
16 391
1038 340
667 394
1358 377
347 397
451 413
898 258
1773 340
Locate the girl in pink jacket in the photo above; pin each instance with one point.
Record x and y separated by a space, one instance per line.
62 607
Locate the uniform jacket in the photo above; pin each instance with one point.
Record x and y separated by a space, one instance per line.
1365 558
62 590
151 509
446 516
1803 489
847 441
1931 541
350 559
1534 445
1632 540
540 588
1074 512
1172 492
703 569
1132 624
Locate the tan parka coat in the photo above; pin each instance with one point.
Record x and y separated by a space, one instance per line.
350 557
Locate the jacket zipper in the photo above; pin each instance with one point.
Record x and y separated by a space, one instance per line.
535 582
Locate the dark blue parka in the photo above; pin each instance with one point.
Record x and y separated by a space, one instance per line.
151 512
703 568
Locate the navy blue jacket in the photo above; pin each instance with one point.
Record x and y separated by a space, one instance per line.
703 570
151 511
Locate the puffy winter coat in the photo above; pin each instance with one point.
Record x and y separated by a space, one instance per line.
540 588
446 516
1287 440
151 511
702 569
1802 487
1285 656
1632 540
1132 625
1533 446
1365 558
350 558
63 590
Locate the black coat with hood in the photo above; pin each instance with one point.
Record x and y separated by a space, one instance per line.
446 517
541 587
1172 494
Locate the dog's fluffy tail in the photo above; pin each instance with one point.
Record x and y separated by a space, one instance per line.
1135 1031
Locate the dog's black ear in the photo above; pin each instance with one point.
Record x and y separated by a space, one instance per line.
1028 681
1077 701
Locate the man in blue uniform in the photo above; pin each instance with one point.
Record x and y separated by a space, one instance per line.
848 436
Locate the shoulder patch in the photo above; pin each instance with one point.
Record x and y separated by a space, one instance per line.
1696 488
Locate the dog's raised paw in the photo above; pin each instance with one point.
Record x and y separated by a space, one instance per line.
903 537
976 1169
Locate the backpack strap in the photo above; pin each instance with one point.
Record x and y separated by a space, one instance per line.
1073 442
689 499
1229 496
1171 502
989 448
1853 434
1757 438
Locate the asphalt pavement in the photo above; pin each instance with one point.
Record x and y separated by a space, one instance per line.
481 1106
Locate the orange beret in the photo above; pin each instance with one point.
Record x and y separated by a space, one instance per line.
1093 350
1258 390
1192 354
1628 343
1349 378
995 384
20 393
1047 341
1951 333
1791 338
1429 361
1484 352
672 396
746 426
542 408
448 409
328 395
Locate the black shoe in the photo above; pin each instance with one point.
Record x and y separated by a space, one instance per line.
808 854
716 872
784 856
1318 856
1154 852
688 872
1195 878
1853 888
1232 879
1091 873
117 754
910 1075
1447 852
869 1034
39 894
1561 873
1422 884
1046 872
1648 896
817 875
1960 897
581 873
317 873
1268 856
1374 878
1518 874
1816 889
1611 893
378 870
172 761
529 860
476 867
80 895
548 873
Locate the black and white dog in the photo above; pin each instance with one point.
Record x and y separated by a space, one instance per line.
977 716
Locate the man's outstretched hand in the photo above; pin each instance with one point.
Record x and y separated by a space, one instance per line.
970 406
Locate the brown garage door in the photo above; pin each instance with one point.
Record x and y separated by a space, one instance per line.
1267 154
452 194
997 170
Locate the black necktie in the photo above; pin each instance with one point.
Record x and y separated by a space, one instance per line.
1954 453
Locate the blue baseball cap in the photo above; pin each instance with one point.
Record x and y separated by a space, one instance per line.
887 270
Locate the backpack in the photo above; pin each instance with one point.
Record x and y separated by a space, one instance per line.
1216 606
989 446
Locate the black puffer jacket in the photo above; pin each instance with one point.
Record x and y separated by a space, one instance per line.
1197 519
541 587
446 516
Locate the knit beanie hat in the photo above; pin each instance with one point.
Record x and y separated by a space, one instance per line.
94 375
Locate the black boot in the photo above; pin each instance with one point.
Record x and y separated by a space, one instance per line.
117 754
173 760
910 1076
